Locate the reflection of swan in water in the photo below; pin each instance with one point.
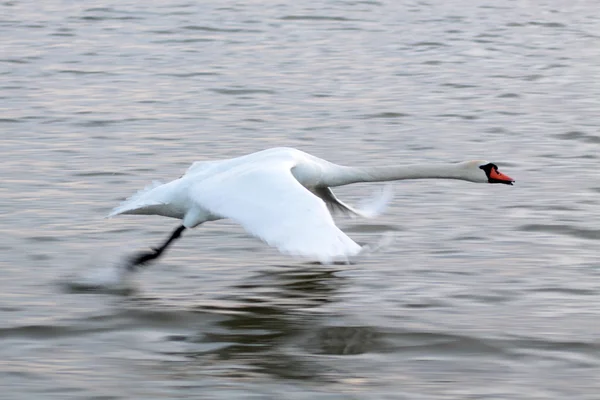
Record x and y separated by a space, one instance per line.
273 324
278 323
271 313
346 340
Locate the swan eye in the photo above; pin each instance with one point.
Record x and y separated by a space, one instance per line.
489 168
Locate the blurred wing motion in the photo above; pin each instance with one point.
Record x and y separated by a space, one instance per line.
272 205
369 208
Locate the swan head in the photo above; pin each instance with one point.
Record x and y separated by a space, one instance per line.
481 171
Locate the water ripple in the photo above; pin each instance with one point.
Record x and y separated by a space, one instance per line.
579 136
483 285
313 18
237 92
386 115
592 234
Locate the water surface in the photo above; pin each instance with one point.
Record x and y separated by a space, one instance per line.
488 291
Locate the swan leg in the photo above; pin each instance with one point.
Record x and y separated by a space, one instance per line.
147 256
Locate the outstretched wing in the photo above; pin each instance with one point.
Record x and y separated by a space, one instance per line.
272 205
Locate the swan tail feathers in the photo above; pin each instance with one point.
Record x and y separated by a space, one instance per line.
139 202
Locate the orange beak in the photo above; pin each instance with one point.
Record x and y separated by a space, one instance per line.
500 177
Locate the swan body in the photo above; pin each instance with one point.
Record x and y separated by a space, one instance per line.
283 196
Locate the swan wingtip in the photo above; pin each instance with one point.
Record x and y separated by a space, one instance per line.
378 203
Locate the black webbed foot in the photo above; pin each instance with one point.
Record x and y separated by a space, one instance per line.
142 258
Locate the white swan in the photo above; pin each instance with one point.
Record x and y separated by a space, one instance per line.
281 195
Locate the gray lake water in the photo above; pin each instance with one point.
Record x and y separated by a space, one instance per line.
488 292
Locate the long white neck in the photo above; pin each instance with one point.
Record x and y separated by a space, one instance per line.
340 175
